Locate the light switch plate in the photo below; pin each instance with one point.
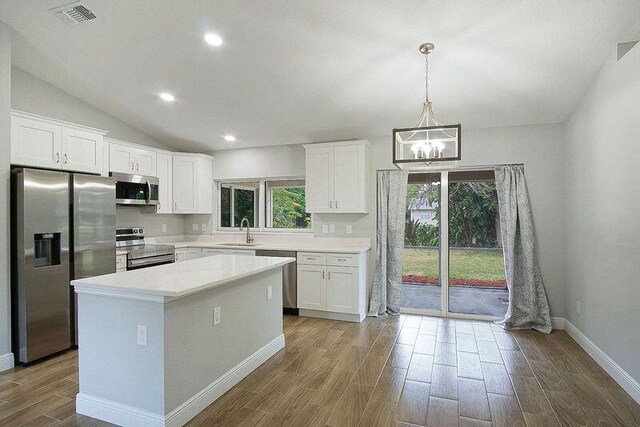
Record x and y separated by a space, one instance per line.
325 228
217 316
142 335
332 228
204 227
269 292
349 229
194 227
164 228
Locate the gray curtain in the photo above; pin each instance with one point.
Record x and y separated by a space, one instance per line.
528 306
387 280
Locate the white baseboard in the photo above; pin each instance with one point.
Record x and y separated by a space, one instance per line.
6 361
558 322
622 377
344 317
125 415
115 412
197 403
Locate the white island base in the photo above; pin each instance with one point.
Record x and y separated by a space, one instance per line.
149 352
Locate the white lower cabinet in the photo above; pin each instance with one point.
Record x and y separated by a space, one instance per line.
342 289
184 254
121 263
181 254
194 253
332 285
312 287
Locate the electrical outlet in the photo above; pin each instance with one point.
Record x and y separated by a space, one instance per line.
325 228
349 229
195 227
204 227
142 334
269 292
164 228
332 228
578 308
217 316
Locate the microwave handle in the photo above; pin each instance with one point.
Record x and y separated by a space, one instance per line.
148 192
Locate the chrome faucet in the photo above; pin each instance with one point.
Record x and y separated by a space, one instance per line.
249 238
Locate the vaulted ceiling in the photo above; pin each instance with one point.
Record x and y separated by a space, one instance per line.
317 70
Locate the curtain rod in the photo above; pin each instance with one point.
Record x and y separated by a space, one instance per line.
453 169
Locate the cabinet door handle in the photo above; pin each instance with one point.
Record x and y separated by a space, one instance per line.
66 159
57 157
323 274
175 205
329 275
330 204
137 166
131 165
336 204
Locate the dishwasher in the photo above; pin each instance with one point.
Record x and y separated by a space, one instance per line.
289 280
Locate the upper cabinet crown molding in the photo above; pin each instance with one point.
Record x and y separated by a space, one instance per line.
55 144
50 120
337 177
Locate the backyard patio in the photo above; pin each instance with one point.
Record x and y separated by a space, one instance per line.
476 277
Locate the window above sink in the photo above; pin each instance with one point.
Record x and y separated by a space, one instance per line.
270 205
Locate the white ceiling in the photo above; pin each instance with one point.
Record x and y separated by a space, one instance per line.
317 70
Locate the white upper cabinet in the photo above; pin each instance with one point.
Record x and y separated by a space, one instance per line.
164 172
192 183
145 161
319 180
54 144
125 158
336 177
82 150
121 158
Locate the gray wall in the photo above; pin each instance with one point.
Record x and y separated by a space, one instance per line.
538 147
33 95
136 216
5 147
602 205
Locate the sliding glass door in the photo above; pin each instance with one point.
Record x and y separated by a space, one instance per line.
453 261
422 287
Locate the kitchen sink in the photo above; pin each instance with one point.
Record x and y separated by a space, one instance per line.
238 244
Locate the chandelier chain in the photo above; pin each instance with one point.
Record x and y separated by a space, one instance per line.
426 77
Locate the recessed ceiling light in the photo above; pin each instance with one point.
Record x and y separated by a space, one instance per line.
213 39
230 138
166 96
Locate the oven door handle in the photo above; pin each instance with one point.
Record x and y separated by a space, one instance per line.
150 261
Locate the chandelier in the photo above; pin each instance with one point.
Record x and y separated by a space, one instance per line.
429 140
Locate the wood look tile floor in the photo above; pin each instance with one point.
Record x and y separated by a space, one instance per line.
393 371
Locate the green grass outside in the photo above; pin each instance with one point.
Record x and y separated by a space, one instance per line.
463 264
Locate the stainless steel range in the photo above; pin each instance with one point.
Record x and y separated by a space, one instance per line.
139 254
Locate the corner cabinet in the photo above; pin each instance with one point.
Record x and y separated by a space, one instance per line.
54 144
192 184
337 177
333 285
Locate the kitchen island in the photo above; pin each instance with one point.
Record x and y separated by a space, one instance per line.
158 345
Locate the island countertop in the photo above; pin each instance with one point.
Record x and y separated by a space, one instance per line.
180 279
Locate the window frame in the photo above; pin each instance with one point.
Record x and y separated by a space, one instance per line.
260 205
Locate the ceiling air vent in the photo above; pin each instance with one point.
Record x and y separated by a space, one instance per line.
74 13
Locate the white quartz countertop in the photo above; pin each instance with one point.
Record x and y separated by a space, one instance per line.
278 246
181 278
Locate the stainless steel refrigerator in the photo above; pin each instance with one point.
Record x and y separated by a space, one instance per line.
62 228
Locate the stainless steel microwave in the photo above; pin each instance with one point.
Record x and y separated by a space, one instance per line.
136 189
